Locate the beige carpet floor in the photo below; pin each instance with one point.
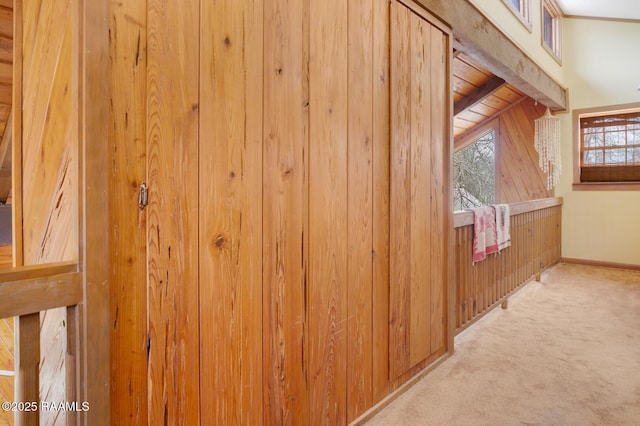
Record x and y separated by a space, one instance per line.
565 352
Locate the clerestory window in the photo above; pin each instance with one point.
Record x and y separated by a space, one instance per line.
522 10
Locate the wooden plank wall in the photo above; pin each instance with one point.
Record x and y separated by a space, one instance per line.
172 122
418 165
265 145
286 180
128 224
328 144
49 164
518 176
284 209
535 245
230 223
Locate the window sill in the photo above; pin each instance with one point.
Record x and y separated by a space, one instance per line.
606 186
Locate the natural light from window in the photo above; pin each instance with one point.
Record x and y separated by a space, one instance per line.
474 173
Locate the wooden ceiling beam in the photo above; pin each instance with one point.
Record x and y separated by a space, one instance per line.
485 44
481 92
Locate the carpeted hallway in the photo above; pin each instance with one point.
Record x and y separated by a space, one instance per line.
566 352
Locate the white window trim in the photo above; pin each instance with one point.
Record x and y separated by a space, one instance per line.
556 15
523 16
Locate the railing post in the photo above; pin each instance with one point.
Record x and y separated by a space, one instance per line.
72 363
27 361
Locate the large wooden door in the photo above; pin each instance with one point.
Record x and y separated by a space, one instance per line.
419 155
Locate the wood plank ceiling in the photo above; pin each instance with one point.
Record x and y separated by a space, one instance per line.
478 95
6 76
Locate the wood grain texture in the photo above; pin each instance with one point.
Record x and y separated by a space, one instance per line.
6 256
7 348
440 204
50 187
127 233
33 295
420 112
285 210
6 394
28 360
423 138
381 146
518 174
90 110
6 22
328 72
230 223
360 208
400 205
172 214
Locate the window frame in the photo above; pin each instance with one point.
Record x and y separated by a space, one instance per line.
555 50
523 13
472 136
577 148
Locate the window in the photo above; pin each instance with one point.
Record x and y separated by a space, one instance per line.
608 145
522 10
551 28
474 173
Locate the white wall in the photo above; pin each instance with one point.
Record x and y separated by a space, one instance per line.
528 41
601 67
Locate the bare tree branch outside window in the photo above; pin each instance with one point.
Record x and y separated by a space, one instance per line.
474 173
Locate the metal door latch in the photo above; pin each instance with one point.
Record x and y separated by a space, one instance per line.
143 196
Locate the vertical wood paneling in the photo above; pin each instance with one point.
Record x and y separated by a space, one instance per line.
421 182
328 76
127 152
230 181
285 234
49 165
400 220
359 208
439 205
419 201
268 133
381 138
172 168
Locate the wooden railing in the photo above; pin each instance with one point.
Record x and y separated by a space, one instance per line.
535 245
25 292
